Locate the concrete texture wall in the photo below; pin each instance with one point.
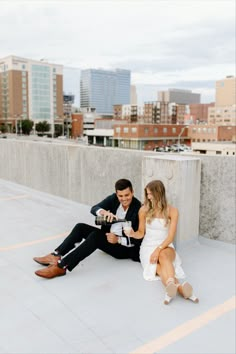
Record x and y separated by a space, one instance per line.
77 172
86 174
218 198
181 177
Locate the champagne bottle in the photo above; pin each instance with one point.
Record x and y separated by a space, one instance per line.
102 220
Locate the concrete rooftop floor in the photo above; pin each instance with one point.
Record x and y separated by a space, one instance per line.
104 305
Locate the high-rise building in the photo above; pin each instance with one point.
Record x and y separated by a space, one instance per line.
133 95
226 91
71 83
179 96
30 89
101 89
199 112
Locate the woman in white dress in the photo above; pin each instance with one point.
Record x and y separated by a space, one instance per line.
158 222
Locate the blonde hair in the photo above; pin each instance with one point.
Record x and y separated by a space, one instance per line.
159 202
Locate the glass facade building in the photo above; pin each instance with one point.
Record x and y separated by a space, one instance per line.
40 89
30 89
101 89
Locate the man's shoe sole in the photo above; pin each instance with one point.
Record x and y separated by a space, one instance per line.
44 264
42 276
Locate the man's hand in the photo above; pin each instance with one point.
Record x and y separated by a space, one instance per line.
111 238
108 215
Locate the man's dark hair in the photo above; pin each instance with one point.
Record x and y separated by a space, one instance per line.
122 184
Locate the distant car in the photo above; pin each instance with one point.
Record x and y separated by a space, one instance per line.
159 149
176 148
164 148
3 136
186 147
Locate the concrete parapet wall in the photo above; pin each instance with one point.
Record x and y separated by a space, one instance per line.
87 173
77 172
218 198
181 177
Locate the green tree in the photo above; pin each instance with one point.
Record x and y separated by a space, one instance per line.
27 126
58 130
3 128
42 127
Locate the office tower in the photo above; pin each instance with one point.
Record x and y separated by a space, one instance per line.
226 91
133 95
101 89
30 89
71 84
179 96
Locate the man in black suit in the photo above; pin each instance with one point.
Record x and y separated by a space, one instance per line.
109 238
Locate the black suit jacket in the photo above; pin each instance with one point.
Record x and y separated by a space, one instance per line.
112 203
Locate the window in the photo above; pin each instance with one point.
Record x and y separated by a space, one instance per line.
126 129
164 130
134 130
146 130
173 130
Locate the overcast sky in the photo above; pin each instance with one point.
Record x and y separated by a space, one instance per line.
165 43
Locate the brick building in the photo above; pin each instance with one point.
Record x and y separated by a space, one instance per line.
148 136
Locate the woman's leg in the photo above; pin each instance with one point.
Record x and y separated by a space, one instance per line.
166 271
165 268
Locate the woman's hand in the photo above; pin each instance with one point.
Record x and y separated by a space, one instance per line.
155 256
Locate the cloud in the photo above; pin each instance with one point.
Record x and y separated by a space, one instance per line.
162 42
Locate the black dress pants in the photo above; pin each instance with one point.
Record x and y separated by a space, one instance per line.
94 239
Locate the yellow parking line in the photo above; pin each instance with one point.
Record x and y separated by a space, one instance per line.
30 243
15 197
186 328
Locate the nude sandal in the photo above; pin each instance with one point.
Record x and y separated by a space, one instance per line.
171 290
187 290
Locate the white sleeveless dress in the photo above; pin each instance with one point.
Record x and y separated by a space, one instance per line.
156 233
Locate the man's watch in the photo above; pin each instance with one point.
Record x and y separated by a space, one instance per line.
119 240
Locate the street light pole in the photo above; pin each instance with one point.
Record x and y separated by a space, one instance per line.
52 128
16 121
20 127
20 123
67 125
182 130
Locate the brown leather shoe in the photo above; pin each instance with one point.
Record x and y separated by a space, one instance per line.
47 260
51 271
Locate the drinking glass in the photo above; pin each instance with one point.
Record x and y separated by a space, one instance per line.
127 226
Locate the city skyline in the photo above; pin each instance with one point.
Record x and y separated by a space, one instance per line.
165 44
